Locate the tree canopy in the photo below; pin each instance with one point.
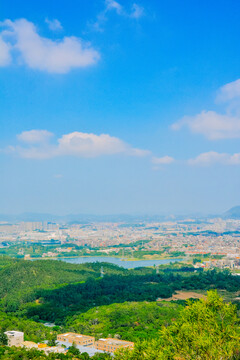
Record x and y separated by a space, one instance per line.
206 330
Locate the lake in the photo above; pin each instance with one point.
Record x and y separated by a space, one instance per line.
124 263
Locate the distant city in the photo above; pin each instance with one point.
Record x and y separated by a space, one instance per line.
206 242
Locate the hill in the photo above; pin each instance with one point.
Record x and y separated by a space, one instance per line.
20 279
233 213
206 329
130 320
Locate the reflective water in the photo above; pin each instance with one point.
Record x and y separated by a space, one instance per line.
124 263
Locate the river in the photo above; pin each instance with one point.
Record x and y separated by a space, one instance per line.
127 264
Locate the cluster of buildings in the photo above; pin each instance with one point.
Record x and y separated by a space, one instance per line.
219 263
84 343
16 338
190 236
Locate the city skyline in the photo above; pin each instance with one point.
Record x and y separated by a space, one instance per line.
114 107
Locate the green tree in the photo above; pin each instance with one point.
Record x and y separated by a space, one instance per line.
85 356
206 330
3 338
73 350
53 340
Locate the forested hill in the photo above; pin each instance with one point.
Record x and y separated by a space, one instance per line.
20 279
205 330
20 276
122 303
54 291
131 321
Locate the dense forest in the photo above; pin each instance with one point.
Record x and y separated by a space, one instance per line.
112 288
128 304
205 330
130 320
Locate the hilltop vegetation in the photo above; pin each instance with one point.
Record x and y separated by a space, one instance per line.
20 279
206 329
33 331
129 321
122 304
13 353
119 288
31 289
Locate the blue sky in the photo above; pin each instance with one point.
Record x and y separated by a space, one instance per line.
119 106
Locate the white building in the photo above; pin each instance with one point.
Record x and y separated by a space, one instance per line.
15 338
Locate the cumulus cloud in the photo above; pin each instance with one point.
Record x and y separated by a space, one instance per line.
211 124
215 125
229 91
54 24
212 157
162 160
85 145
40 53
35 136
5 57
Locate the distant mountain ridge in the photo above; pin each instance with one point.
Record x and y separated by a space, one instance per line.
80 218
233 213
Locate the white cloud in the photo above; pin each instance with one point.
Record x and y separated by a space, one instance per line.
138 152
212 125
5 57
53 56
163 160
137 11
89 145
78 144
35 136
114 5
54 24
212 157
229 91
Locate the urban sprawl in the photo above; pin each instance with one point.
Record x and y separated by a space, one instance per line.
214 241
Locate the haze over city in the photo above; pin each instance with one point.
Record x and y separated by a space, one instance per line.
112 107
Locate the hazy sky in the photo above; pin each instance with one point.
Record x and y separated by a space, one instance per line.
119 106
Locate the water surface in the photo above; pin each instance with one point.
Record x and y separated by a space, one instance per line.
124 263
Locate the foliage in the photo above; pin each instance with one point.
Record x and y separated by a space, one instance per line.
20 279
122 304
134 285
130 320
33 331
207 329
14 353
3 338
33 288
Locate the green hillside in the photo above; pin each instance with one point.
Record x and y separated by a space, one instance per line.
205 330
20 279
33 331
129 321
33 288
